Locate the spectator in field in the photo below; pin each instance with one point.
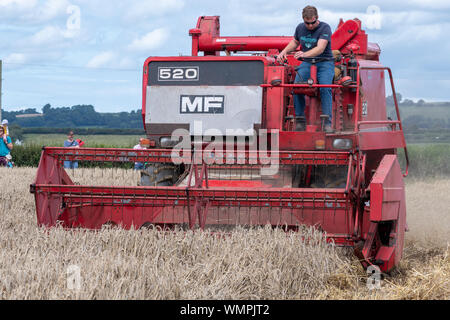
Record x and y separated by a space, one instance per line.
5 146
5 126
71 143
142 145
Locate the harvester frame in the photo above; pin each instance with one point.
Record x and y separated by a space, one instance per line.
366 212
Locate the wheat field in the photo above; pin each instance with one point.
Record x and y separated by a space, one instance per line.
249 264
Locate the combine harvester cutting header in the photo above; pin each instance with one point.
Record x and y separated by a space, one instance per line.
224 150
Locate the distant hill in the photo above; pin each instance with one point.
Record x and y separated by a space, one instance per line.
420 114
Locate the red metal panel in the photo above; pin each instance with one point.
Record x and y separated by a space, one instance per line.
387 255
327 208
373 91
343 34
381 140
290 140
257 43
387 190
333 222
387 200
165 155
49 171
274 101
206 37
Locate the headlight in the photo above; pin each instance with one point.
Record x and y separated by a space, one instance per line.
166 142
343 144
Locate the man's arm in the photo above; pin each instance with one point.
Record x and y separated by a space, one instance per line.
290 47
314 52
8 142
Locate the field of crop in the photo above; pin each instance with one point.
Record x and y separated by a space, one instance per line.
249 264
92 141
432 112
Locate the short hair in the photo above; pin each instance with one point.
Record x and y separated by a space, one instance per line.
309 12
70 133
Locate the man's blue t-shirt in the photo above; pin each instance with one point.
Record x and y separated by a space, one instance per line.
68 144
308 39
4 151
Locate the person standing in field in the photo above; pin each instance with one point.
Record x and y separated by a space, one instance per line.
5 147
143 144
71 143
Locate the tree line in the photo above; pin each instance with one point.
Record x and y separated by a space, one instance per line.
74 117
85 118
410 103
412 123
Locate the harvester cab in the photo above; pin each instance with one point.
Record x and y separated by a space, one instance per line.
225 149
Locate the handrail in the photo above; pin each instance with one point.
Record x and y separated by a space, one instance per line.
305 86
385 122
397 110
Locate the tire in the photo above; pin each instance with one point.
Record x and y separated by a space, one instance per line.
331 177
160 174
321 177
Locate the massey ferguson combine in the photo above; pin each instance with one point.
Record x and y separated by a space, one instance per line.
224 150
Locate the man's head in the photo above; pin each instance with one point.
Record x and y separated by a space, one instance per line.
310 17
70 135
4 122
2 130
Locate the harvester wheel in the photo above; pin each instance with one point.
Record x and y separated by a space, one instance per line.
322 177
160 174
334 177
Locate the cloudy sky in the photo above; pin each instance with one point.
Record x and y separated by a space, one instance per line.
68 52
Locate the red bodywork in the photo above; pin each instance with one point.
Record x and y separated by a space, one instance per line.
367 211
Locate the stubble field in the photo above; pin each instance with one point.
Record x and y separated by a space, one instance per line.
249 264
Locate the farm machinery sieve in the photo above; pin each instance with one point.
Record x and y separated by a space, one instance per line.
224 150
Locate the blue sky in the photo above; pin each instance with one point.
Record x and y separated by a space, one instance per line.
68 52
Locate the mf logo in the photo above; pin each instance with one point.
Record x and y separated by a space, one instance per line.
202 104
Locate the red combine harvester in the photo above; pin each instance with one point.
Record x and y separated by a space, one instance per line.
224 150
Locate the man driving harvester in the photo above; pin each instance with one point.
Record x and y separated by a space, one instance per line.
314 38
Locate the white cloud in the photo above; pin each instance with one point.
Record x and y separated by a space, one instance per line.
52 9
17 4
150 41
101 60
48 35
142 9
432 4
16 58
121 34
32 11
271 20
126 63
